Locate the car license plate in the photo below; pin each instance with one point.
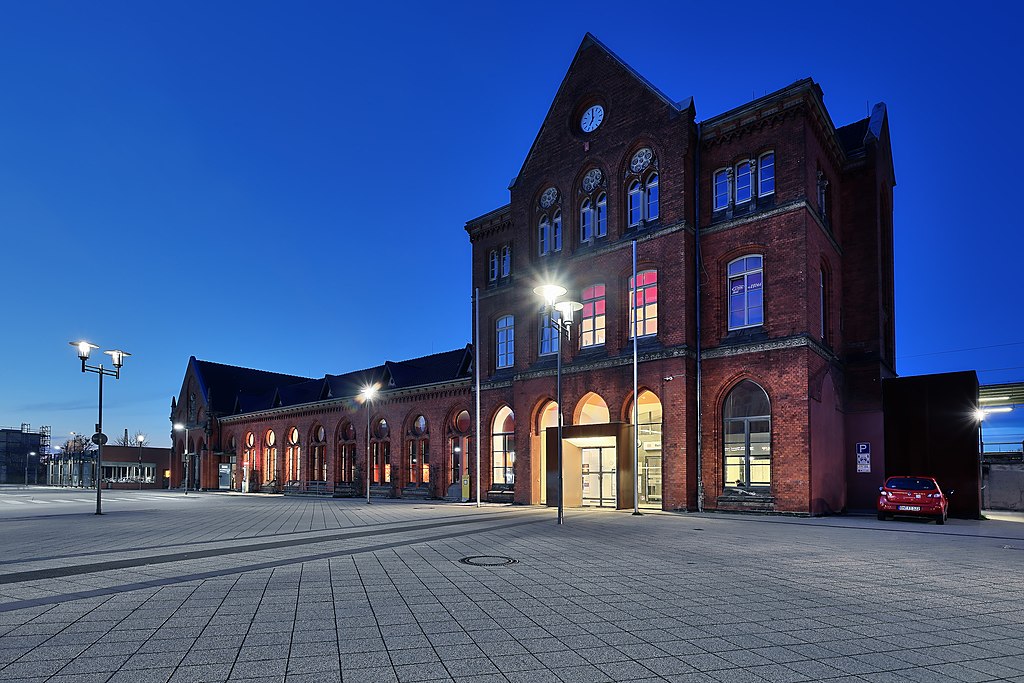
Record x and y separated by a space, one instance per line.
910 508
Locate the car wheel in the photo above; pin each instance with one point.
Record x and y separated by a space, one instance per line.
881 516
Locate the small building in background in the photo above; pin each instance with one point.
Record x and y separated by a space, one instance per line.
21 452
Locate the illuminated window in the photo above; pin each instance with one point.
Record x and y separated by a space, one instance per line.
270 474
643 309
318 464
505 341
503 449
292 456
592 316
345 466
747 453
380 453
746 298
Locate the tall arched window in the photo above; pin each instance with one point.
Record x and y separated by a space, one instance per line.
504 337
345 465
746 429
417 453
249 458
549 336
642 199
503 449
544 235
556 231
459 442
292 456
746 297
601 222
586 221
318 464
649 459
592 410
380 452
270 473
643 306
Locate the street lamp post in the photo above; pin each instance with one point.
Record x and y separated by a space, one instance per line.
99 438
368 393
140 438
178 427
30 453
562 324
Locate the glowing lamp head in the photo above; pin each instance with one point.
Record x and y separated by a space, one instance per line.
84 349
178 427
549 293
140 438
567 308
369 392
979 415
117 356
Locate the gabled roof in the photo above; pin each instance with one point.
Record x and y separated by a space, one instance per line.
590 41
242 390
221 383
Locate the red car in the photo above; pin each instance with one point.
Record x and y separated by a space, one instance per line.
912 496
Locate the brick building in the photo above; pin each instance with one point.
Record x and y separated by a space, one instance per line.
762 306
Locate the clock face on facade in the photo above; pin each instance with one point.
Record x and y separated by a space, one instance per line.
592 118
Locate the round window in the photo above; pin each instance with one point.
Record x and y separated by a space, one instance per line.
320 433
462 422
348 432
381 430
250 439
293 436
419 427
271 438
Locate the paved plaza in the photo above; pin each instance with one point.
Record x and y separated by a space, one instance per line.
218 587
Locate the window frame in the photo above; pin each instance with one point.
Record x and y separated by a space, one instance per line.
544 235
506 260
548 337
726 192
760 173
634 309
504 342
745 459
597 299
492 266
749 186
745 273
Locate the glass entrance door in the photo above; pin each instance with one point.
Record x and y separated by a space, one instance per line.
598 477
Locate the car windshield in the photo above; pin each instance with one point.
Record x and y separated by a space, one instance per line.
910 484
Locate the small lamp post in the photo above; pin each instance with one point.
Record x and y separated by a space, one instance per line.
368 393
99 438
140 438
562 324
178 427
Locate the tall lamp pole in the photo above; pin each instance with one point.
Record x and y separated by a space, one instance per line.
368 393
99 438
178 427
140 438
30 453
560 314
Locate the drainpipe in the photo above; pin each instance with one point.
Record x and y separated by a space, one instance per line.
697 272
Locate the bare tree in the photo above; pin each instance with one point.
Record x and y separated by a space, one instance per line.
125 440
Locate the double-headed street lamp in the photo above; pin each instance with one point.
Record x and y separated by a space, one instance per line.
99 438
368 393
562 323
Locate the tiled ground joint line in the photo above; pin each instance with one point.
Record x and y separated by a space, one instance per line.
155 583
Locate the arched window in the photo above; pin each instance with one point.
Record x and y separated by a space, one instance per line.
318 465
743 183
504 335
592 410
270 474
766 174
345 467
636 212
649 458
601 222
592 317
556 231
721 189
506 261
643 307
417 451
747 454
249 457
492 265
292 456
503 449
544 236
652 197
380 452
746 298
586 221
459 442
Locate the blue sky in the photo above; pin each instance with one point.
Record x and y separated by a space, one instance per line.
284 185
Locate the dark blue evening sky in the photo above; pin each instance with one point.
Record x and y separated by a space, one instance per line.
284 185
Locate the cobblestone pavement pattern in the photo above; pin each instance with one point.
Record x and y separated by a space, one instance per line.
219 587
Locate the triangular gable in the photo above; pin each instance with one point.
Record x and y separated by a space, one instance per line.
589 41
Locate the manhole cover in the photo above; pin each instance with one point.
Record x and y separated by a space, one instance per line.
488 560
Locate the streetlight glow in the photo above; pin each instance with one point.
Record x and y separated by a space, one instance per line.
549 293
84 349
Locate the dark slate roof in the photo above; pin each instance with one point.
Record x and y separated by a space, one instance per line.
851 136
221 384
242 390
